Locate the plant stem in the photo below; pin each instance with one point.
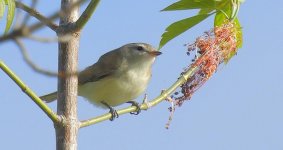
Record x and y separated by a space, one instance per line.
37 15
85 15
48 111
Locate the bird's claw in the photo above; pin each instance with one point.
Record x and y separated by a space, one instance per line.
112 111
138 110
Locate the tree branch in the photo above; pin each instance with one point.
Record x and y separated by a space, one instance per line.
29 61
48 39
37 15
23 31
144 106
38 69
84 18
48 111
27 16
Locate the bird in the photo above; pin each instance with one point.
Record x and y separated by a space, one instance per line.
119 76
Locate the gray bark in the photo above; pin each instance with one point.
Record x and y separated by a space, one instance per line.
66 134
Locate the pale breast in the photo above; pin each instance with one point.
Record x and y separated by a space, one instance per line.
136 81
116 90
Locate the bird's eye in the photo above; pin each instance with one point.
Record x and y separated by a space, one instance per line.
140 48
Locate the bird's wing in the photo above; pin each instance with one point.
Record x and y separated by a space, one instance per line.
104 67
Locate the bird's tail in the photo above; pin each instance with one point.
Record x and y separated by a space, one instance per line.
49 97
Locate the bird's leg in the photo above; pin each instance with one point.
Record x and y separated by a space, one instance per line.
112 111
138 110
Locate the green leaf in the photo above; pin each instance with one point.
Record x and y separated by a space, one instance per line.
219 18
179 27
226 10
2 8
239 37
11 13
223 13
205 11
191 4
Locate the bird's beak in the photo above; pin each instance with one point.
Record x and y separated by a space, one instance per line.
154 53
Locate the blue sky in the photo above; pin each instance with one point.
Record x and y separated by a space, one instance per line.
239 108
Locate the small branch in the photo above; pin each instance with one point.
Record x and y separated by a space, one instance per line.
27 16
29 61
63 38
84 18
144 106
37 15
38 69
48 111
23 31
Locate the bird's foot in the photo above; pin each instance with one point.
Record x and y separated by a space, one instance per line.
114 114
112 111
138 110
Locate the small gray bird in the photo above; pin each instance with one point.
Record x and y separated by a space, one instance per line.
119 76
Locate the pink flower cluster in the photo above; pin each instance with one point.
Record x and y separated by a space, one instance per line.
212 49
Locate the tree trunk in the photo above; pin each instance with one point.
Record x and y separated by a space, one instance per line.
66 134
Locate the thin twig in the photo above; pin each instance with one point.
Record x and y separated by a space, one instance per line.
37 15
64 38
23 31
27 16
18 19
144 106
84 18
48 111
28 60
36 68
